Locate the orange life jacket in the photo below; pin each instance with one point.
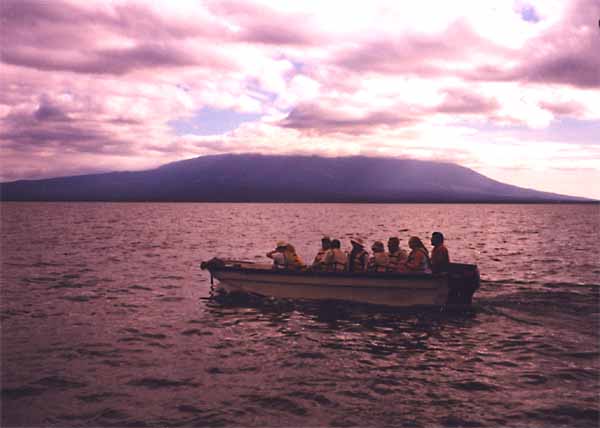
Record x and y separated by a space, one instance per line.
418 261
378 262
396 258
320 258
335 260
358 261
293 260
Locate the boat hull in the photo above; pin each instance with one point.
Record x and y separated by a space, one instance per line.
410 292
391 289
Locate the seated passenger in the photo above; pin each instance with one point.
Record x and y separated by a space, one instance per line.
440 259
319 262
396 255
278 255
292 259
358 259
284 257
335 259
379 261
418 259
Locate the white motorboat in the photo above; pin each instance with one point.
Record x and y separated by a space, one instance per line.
454 287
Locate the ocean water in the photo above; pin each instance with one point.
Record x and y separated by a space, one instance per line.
107 320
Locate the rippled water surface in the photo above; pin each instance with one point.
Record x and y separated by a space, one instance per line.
107 320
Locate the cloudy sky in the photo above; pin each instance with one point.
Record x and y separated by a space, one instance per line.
508 88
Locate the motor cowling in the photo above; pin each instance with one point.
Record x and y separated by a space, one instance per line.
463 281
212 264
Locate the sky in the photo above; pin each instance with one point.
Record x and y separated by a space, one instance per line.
508 88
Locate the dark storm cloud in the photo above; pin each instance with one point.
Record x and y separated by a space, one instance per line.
314 119
581 68
566 54
60 23
50 127
59 36
108 61
48 112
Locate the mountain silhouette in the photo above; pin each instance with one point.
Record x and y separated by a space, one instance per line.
266 178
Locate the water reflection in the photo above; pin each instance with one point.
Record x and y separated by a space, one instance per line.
378 330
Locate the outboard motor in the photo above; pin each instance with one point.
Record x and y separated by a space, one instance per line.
214 263
463 280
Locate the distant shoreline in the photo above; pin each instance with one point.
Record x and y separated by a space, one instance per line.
591 202
286 179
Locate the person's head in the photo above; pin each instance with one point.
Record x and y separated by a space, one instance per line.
290 248
437 238
393 244
326 242
281 246
336 244
415 243
357 243
378 247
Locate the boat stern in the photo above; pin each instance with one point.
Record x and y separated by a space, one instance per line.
463 281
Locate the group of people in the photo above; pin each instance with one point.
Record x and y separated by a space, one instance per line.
331 258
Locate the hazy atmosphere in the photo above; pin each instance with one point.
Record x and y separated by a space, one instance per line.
510 89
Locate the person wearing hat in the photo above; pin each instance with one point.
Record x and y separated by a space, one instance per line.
319 262
418 259
335 259
440 259
278 255
379 261
396 255
358 259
